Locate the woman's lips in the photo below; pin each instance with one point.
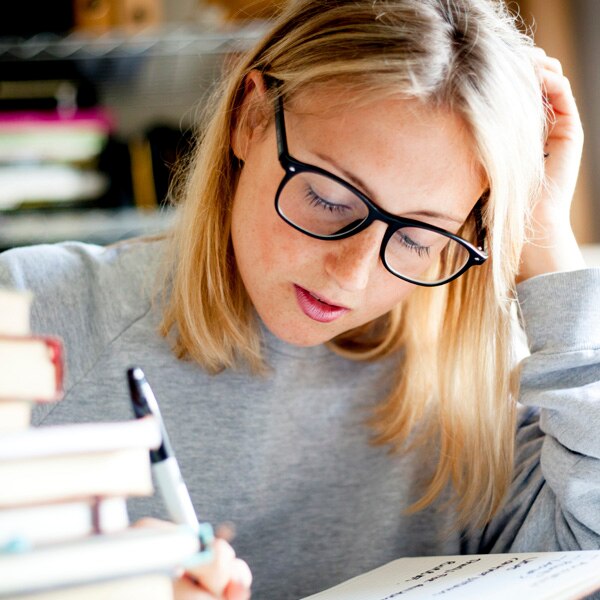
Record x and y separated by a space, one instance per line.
317 310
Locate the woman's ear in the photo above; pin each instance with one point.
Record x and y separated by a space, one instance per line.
251 117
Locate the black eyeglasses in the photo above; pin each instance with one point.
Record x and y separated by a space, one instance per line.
324 206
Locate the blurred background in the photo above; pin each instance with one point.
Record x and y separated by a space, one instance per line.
98 97
568 30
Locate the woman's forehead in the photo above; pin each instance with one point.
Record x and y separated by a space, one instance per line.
422 144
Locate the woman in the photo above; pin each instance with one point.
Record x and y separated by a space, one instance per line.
333 341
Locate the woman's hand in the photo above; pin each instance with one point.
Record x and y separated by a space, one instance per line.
225 577
552 246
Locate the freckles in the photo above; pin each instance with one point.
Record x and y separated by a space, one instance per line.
293 246
386 294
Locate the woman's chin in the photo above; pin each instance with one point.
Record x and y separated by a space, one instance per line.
301 334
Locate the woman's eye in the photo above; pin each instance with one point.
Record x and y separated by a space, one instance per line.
411 244
317 200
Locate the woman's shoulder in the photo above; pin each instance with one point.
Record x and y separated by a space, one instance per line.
84 286
67 267
87 295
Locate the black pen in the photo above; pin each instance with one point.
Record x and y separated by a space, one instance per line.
164 464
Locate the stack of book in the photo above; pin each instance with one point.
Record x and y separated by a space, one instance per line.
64 527
30 366
50 158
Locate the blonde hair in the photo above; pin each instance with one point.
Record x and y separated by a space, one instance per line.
457 375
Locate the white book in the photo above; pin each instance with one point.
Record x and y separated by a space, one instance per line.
144 587
105 557
48 184
79 438
69 462
61 521
15 415
31 368
15 306
531 576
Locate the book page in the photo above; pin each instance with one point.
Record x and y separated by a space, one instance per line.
79 438
535 576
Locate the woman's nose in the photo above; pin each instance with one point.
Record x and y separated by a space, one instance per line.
351 261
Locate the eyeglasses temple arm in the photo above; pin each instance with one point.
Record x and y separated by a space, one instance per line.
480 229
282 147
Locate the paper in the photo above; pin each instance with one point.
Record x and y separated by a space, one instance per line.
535 576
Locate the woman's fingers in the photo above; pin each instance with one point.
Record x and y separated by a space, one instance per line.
564 140
223 571
241 580
559 94
225 577
557 89
545 61
185 589
152 522
551 242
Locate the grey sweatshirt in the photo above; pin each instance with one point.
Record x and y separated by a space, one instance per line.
287 457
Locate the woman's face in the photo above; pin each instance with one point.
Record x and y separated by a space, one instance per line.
411 160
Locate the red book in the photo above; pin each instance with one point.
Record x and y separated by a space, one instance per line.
96 119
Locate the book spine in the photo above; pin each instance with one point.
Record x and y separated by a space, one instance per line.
96 118
55 346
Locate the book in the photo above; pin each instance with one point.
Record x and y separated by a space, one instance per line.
566 575
67 462
15 415
61 521
49 185
15 307
97 558
64 525
31 368
65 95
52 135
154 586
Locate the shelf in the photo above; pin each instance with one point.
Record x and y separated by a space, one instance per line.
155 77
174 40
95 226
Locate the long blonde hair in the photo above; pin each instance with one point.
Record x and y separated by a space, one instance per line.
457 372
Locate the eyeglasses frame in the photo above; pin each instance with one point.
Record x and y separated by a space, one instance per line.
292 167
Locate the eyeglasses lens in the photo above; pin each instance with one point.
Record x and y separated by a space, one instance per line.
324 207
424 256
321 205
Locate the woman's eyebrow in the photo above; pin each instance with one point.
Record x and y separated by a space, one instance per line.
436 215
354 179
362 186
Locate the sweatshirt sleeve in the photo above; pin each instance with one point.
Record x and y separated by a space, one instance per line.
554 500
